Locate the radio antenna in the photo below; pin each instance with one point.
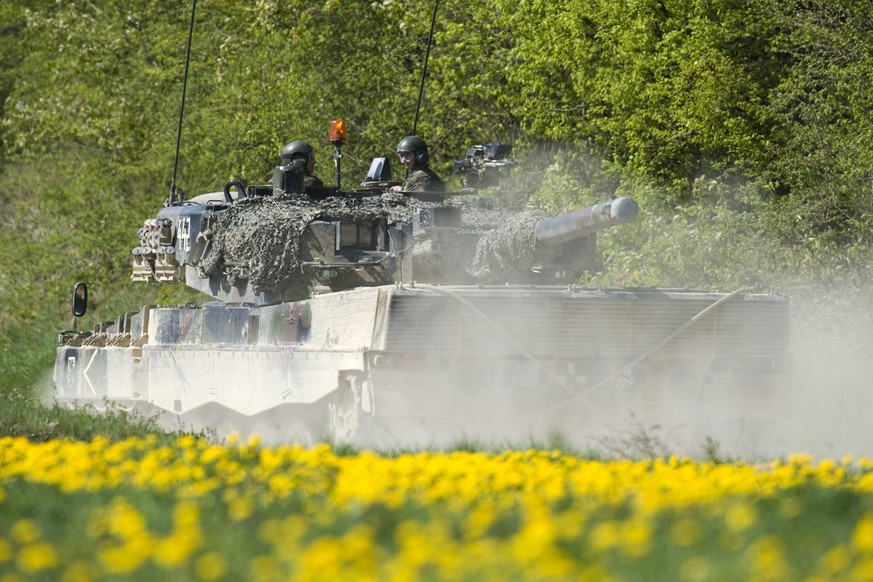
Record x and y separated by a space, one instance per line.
424 69
173 190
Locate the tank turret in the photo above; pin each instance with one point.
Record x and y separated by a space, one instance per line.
287 241
286 246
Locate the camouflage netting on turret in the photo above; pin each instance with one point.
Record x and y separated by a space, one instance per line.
508 248
262 235
506 242
258 239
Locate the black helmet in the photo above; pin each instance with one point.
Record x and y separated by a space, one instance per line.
297 150
416 145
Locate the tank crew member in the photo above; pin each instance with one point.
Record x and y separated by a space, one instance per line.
413 154
301 150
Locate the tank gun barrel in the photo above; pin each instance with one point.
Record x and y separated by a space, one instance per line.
578 223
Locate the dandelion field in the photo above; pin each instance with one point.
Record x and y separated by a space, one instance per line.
141 510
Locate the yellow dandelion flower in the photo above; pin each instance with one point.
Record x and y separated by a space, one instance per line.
185 538
740 517
117 559
5 550
79 571
171 551
826 466
24 531
479 519
359 549
865 482
767 559
186 442
636 537
265 569
210 566
186 514
605 535
284 535
835 560
122 559
694 569
862 537
36 557
800 459
240 508
212 454
282 485
863 570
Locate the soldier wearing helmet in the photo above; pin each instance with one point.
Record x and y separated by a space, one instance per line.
413 154
301 150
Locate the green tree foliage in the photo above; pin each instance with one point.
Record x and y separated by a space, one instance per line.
822 109
262 74
666 90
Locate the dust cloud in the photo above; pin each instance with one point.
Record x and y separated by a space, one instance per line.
832 389
826 412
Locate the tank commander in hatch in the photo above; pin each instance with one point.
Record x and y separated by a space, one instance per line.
413 154
301 150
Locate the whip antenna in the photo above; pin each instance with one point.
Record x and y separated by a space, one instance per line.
424 69
173 190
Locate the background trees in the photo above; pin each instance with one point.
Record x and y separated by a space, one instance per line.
664 91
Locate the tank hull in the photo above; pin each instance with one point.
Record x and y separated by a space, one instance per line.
417 364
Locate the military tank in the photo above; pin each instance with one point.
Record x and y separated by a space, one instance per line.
372 316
